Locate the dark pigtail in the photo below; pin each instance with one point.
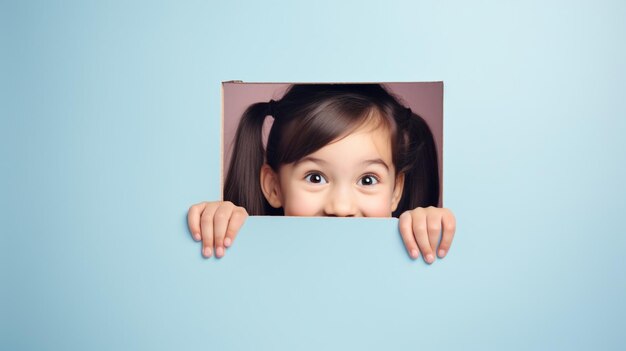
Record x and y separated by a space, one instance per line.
242 185
419 164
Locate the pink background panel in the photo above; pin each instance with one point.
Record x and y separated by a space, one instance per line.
424 98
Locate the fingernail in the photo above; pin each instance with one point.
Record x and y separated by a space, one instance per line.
430 258
414 253
196 236
227 242
442 253
219 252
207 252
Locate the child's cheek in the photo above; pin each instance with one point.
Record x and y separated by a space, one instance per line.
384 210
300 209
377 207
299 203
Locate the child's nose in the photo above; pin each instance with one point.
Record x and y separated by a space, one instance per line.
341 204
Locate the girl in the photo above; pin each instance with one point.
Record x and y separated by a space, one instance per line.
348 150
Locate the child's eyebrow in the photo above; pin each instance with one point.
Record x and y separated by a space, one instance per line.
319 161
310 159
376 161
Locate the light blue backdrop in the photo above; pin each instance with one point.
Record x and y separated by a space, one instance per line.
110 130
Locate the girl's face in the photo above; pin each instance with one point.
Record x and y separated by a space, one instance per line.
351 177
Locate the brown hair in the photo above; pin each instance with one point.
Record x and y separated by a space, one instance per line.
310 116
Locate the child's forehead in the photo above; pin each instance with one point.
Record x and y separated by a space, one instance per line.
344 134
367 142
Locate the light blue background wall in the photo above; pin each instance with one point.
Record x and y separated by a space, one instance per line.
110 130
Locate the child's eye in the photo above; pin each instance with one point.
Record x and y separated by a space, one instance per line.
315 178
368 180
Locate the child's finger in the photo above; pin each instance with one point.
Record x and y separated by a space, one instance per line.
220 223
193 220
236 221
420 232
433 223
406 231
449 228
206 224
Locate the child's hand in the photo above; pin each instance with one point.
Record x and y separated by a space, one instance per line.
216 223
422 227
